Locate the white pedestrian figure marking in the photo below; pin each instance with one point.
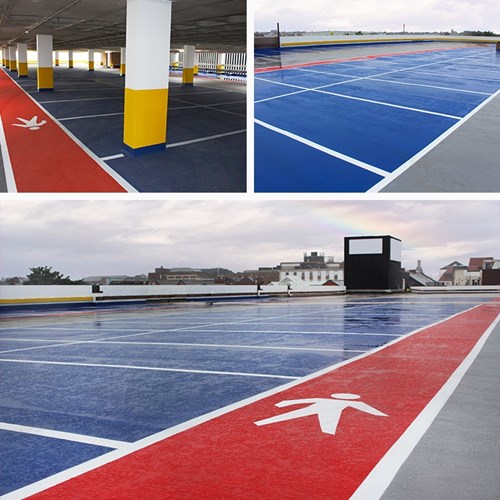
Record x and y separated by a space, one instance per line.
327 410
30 124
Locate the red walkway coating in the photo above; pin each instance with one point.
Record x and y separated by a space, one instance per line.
231 457
46 159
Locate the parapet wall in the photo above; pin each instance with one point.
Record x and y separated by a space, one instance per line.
297 41
51 294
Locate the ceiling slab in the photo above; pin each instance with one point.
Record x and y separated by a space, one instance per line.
100 24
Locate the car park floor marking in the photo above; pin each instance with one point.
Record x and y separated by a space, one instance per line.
44 156
229 454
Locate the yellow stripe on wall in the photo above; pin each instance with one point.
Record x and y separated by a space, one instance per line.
188 76
45 78
23 69
41 300
145 121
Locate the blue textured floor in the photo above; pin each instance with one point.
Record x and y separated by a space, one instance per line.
131 400
382 112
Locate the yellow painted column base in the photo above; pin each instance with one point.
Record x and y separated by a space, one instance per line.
145 120
23 69
70 63
57 62
195 72
220 69
45 78
13 65
122 69
91 65
187 76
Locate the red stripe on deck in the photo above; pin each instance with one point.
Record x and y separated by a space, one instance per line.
347 59
46 159
231 457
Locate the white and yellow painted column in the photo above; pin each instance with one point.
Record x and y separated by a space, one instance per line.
174 60
70 58
45 71
196 63
5 57
188 65
146 81
56 58
22 56
12 58
91 59
123 60
221 63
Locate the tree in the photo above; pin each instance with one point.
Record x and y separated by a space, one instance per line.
45 276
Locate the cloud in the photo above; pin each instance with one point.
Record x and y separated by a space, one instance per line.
82 238
383 15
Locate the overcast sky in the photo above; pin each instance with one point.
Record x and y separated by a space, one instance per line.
379 15
83 238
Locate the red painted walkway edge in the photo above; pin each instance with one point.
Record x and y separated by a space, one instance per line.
231 457
43 156
358 58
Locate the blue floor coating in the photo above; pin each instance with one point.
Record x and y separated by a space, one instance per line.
274 338
382 112
90 105
32 458
287 174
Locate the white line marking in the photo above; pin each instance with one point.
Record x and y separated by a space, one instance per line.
7 165
202 139
431 86
371 101
83 99
323 149
88 116
112 157
229 346
82 88
383 473
458 76
67 436
172 431
148 368
405 166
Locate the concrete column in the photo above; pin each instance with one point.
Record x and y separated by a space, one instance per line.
5 57
45 71
146 81
91 59
174 60
56 58
22 55
188 66
221 63
196 61
70 58
12 57
123 59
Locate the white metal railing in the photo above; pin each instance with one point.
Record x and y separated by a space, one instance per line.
232 64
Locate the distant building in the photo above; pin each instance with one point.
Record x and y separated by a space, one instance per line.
117 279
417 277
315 269
179 276
458 274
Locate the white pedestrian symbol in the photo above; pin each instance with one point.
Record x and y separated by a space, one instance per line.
327 410
30 124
